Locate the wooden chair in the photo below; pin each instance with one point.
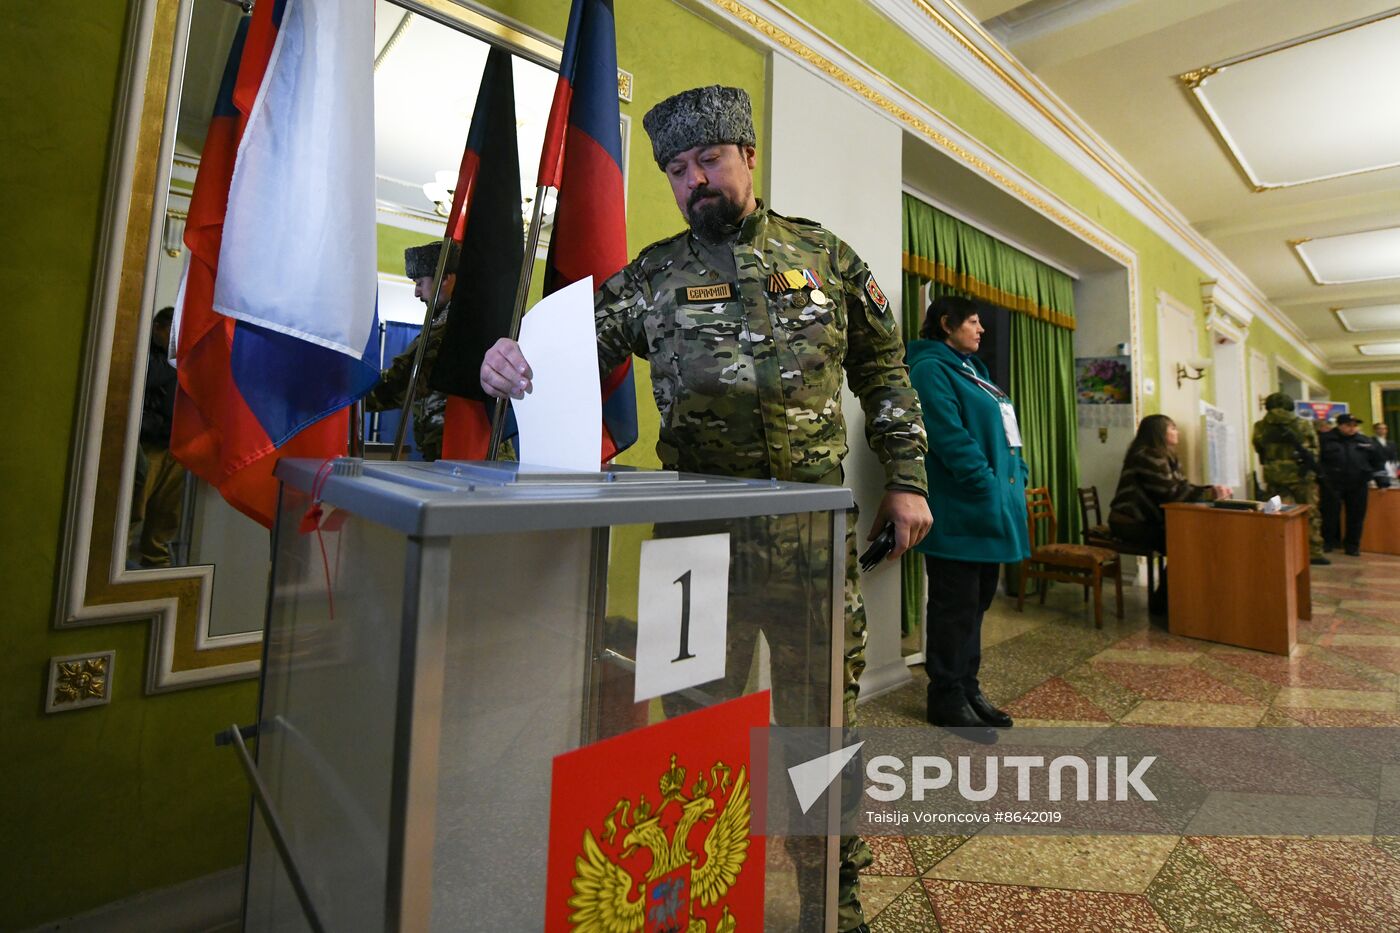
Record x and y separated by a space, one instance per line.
1081 564
1098 533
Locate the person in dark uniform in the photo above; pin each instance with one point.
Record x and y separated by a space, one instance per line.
1380 433
1350 460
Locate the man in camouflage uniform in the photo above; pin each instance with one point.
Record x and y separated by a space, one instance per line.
748 320
1288 452
429 407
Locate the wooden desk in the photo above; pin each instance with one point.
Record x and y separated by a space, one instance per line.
1381 533
1236 577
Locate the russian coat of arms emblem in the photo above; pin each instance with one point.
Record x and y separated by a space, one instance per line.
650 832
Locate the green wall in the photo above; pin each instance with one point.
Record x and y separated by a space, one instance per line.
1356 392
104 803
101 803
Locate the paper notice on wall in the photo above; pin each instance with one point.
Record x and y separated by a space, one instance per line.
1223 466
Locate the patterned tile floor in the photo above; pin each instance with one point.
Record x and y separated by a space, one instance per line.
1050 666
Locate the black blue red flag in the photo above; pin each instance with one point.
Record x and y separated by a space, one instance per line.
486 220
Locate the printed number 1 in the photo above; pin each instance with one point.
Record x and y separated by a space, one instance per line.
684 581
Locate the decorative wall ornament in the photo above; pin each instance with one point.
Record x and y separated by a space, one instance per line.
78 681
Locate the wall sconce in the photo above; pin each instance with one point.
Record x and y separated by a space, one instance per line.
172 236
1103 435
1192 369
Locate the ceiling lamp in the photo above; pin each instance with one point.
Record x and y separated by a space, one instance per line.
1369 317
440 191
1390 348
1351 257
1319 106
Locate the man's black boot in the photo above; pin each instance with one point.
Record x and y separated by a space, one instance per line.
990 714
951 711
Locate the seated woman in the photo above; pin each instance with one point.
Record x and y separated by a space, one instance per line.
1151 478
976 482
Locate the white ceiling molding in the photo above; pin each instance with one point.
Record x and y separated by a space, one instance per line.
1222 305
1367 256
957 40
1339 83
1365 369
770 24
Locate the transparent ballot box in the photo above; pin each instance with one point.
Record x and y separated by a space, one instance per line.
463 657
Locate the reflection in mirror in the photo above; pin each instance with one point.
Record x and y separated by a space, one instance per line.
426 76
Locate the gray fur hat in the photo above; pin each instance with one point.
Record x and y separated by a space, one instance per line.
419 261
702 116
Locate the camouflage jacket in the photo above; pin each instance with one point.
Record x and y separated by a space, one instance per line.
428 406
747 353
1277 437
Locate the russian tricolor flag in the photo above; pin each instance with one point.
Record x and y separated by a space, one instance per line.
582 158
279 302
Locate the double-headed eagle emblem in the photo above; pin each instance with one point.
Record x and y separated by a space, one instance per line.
662 893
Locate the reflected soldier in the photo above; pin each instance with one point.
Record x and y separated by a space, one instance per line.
750 319
429 407
1288 451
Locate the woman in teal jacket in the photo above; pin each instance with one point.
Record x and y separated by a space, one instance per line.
976 482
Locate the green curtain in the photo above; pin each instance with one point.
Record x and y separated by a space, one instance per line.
956 258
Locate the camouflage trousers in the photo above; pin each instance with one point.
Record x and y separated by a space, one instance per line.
778 564
1305 494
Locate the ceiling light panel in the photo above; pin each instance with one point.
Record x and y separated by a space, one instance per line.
1352 257
1317 107
1370 317
1392 348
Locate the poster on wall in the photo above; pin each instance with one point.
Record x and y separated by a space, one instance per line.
1103 389
650 831
1320 411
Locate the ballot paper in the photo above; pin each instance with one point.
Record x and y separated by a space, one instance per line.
561 419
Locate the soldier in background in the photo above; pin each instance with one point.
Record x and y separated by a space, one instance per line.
1288 451
160 490
429 407
749 319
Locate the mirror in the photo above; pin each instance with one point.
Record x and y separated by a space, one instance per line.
145 538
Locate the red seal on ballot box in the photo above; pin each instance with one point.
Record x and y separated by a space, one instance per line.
650 831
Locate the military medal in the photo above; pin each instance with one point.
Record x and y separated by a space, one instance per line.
817 296
799 300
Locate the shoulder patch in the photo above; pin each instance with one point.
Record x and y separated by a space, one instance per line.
877 296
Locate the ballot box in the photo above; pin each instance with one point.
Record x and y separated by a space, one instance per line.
439 635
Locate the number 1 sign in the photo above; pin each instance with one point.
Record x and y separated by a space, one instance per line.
682 613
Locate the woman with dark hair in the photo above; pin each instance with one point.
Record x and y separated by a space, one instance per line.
1151 478
976 481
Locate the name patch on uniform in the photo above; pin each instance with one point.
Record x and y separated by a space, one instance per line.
877 296
721 292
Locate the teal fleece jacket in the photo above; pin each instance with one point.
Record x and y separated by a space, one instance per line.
976 481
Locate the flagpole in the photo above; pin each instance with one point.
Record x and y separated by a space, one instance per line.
522 292
416 371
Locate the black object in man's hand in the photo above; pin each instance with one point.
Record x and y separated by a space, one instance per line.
879 548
